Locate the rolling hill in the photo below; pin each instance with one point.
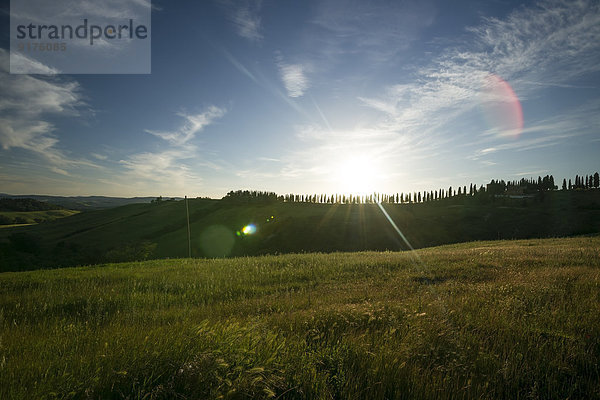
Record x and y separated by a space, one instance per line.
144 231
15 218
83 203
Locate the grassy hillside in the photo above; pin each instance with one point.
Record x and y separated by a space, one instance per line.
145 231
32 217
21 211
486 320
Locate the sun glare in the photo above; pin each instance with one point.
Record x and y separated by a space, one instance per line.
357 175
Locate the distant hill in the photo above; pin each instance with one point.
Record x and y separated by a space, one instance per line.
83 203
26 204
21 211
159 230
18 218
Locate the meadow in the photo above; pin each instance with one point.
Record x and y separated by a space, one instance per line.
15 218
479 320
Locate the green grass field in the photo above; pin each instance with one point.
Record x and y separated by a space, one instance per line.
482 320
33 217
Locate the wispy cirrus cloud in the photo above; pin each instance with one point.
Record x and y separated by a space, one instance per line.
551 43
174 168
23 64
575 122
27 106
245 17
101 157
163 166
532 173
194 123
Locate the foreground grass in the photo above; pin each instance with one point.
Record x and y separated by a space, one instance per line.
509 319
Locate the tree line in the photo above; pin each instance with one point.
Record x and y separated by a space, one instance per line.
583 182
496 188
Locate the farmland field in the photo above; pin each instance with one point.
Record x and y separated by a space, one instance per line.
504 319
32 217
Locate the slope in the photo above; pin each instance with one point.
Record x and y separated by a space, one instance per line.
142 231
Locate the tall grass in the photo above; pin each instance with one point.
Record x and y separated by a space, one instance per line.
482 320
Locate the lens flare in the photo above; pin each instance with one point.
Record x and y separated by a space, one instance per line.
216 241
501 107
249 229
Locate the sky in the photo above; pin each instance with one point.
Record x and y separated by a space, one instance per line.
318 96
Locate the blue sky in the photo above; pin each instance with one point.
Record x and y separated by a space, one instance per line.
317 97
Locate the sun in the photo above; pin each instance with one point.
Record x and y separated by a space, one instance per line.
357 175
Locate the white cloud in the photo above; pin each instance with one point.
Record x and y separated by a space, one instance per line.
532 173
25 106
245 17
100 157
35 96
294 78
193 124
173 169
167 171
159 166
539 41
553 131
269 159
22 64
